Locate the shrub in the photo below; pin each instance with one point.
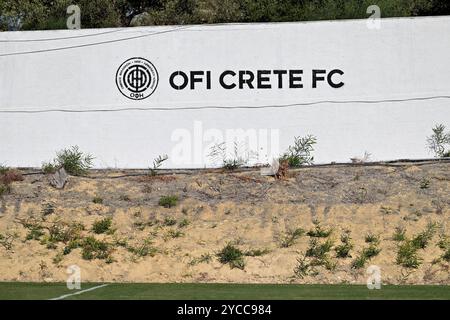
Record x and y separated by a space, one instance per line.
421 240
291 236
343 250
9 176
300 153
169 221
143 249
399 234
168 201
371 251
359 262
302 268
174 234
232 256
49 168
318 231
371 238
256 252
204 258
365 255
97 200
35 233
424 183
184 223
157 164
74 161
438 141
230 160
102 226
407 255
73 244
64 232
95 249
319 252
444 244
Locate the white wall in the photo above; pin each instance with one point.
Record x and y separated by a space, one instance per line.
406 58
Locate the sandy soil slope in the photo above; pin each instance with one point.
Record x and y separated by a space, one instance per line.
151 243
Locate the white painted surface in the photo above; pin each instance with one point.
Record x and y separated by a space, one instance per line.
406 58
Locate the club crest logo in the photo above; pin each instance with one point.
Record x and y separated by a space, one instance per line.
137 78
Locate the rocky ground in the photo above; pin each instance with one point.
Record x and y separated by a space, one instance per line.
279 231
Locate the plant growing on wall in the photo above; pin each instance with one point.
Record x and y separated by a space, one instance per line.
74 161
300 153
439 141
157 163
230 159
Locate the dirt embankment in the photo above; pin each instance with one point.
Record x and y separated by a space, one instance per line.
271 222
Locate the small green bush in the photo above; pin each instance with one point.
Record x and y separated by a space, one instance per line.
371 238
302 268
64 232
204 258
102 226
359 261
97 200
319 253
343 250
73 244
232 256
256 252
172 234
300 153
371 251
318 231
439 141
183 223
365 255
168 201
95 249
422 240
157 163
74 161
291 236
399 234
407 256
143 249
169 221
49 168
424 183
35 233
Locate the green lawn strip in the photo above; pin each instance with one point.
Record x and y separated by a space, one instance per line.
188 291
36 291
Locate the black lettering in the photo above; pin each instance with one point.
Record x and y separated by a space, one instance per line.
247 81
172 80
195 79
293 78
330 80
316 78
261 78
222 79
280 74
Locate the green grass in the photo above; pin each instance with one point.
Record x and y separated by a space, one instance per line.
187 291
